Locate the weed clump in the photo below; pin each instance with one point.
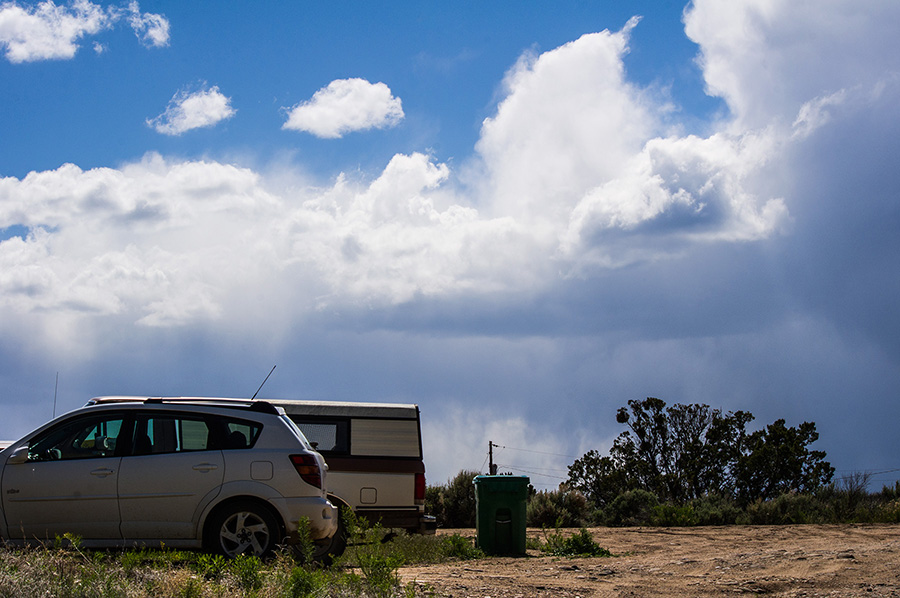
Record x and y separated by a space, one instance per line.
580 544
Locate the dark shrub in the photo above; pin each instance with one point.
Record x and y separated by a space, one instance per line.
558 508
785 509
669 515
715 509
888 512
458 500
434 502
634 507
891 493
580 544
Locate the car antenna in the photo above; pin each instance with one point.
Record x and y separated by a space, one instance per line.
263 383
55 391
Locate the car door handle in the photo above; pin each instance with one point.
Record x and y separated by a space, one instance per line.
103 472
204 467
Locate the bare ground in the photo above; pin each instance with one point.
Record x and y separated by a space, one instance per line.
782 561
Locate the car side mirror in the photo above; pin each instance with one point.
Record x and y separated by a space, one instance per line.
20 455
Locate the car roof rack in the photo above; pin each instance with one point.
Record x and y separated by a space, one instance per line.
234 403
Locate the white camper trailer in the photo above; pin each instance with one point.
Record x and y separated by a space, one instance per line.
374 457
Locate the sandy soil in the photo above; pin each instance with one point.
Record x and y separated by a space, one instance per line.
803 560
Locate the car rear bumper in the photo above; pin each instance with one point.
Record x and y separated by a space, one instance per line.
319 513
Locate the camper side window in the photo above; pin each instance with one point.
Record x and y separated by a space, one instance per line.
327 436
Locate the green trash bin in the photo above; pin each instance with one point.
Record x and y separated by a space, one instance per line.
500 514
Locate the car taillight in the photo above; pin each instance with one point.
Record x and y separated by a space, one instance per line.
420 488
308 468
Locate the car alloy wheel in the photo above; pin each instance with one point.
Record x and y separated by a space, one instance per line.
246 529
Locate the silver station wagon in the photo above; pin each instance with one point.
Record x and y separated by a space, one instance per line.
228 476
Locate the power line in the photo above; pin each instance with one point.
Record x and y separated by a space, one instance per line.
536 471
871 471
544 475
536 468
537 452
883 471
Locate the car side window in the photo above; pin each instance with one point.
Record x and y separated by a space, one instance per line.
84 438
239 434
170 433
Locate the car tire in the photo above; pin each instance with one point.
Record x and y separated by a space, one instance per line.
244 527
325 552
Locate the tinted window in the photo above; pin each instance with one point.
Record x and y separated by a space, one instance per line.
170 433
84 438
240 434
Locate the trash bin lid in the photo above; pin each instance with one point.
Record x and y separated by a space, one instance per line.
501 483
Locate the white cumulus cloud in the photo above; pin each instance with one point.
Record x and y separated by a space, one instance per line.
169 243
767 59
344 106
574 154
193 110
568 122
152 29
46 31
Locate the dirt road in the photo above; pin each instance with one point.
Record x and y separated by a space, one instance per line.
802 560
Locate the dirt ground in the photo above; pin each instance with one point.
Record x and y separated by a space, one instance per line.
802 560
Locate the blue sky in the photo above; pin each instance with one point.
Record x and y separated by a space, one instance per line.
518 216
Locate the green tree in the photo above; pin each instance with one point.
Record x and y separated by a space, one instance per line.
686 452
599 478
776 461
